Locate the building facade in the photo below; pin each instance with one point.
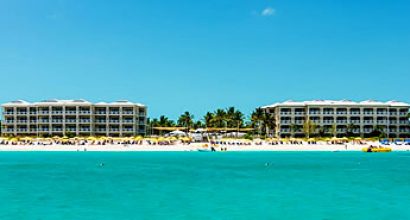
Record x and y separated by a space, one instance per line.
73 118
339 118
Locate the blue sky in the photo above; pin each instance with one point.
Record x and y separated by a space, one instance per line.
200 55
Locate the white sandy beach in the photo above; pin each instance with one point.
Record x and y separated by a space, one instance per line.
196 146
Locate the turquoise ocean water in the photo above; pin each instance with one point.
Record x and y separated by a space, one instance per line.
195 185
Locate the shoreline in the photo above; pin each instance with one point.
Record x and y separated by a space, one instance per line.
192 147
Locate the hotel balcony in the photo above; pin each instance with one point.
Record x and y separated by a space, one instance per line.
393 113
33 113
341 122
355 121
382 122
70 121
9 113
128 121
70 129
298 122
403 113
43 112
21 113
21 129
85 130
127 113
368 113
341 113
299 113
128 130
114 121
368 122
57 121
382 113
101 113
70 112
285 122
404 122
100 121
56 112
43 121
285 130
100 130
56 129
114 112
9 122
355 113
328 122
84 121
22 122
282 113
84 112
314 113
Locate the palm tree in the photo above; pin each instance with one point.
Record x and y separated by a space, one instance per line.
185 120
333 130
269 122
257 117
208 119
293 129
219 118
309 127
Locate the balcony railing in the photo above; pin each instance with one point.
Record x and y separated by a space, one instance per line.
341 113
341 121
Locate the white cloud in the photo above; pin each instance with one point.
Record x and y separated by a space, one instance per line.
269 11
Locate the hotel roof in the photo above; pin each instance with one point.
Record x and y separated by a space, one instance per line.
339 103
78 102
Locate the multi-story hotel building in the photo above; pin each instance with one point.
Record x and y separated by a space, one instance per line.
75 117
339 117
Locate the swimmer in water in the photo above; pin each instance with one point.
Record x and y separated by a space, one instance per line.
101 164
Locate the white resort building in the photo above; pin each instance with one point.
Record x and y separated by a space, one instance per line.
339 118
73 118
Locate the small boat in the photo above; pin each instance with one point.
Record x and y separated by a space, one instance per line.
376 149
